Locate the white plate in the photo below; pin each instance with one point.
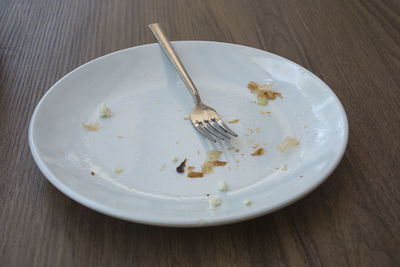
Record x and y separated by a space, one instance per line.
149 102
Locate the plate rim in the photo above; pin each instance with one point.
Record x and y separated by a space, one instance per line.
181 222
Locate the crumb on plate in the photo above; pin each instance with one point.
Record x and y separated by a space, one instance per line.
92 173
120 136
231 148
186 118
287 143
234 121
118 170
193 174
104 111
284 167
174 159
219 163
247 202
237 150
190 168
214 201
222 186
258 152
181 167
93 126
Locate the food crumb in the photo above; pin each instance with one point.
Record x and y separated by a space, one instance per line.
174 159
162 167
119 170
262 112
255 146
92 173
214 201
251 130
219 163
264 92
104 111
177 142
231 148
195 174
237 150
238 161
186 118
93 126
276 168
284 167
247 135
301 176
181 167
258 152
120 136
222 186
190 168
305 126
247 202
287 143
234 121
258 130
157 100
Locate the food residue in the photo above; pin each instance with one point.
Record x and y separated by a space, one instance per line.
262 112
104 111
181 167
214 201
234 121
186 118
219 163
162 167
258 152
231 148
284 167
264 92
222 186
258 130
92 173
287 143
237 150
93 126
120 136
118 170
174 159
190 168
208 165
251 130
195 174
247 202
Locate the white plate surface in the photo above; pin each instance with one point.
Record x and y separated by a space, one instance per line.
149 102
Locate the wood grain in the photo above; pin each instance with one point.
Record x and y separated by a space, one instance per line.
353 219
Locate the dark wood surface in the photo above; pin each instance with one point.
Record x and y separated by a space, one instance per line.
353 219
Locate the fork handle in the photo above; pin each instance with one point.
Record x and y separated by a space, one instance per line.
173 57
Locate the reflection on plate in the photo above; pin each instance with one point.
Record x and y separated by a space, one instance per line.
125 168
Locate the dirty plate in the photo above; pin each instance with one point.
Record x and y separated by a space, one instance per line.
125 168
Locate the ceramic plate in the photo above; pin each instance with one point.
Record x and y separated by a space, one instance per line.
125 168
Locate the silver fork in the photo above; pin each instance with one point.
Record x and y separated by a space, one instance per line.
204 118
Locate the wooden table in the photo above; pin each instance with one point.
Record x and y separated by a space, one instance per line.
353 219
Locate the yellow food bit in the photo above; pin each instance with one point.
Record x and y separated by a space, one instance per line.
258 152
287 143
118 170
234 121
93 126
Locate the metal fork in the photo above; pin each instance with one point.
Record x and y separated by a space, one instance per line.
204 118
